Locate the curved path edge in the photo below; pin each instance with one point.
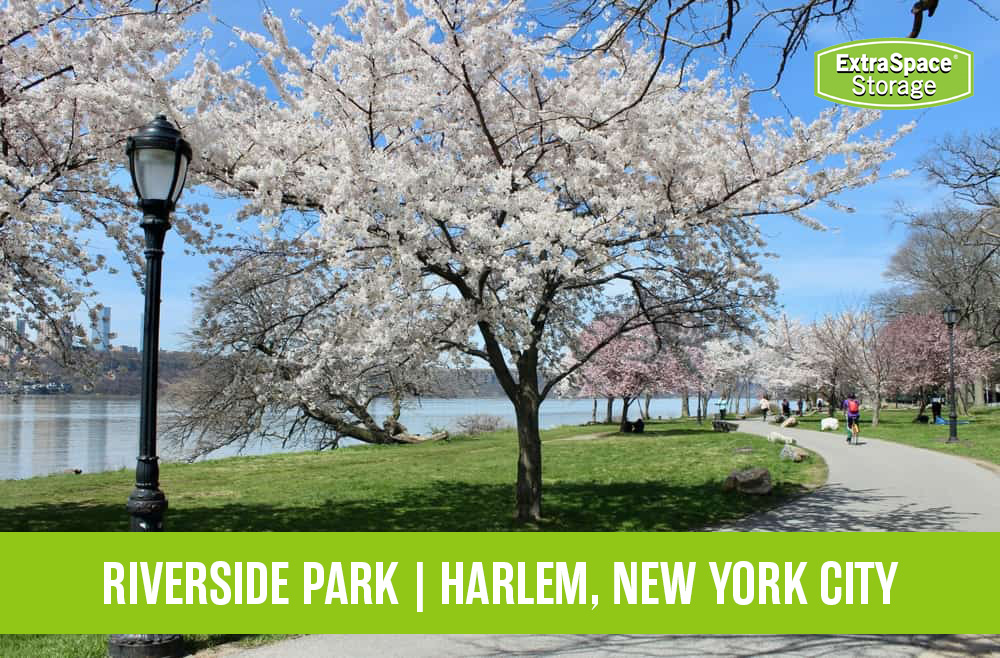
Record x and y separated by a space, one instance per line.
883 486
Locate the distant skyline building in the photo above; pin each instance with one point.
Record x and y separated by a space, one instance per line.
13 334
55 336
102 330
46 338
7 340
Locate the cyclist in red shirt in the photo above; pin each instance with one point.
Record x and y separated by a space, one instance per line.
852 408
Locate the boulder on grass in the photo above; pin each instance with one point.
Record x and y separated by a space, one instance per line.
778 437
829 424
753 481
794 454
791 421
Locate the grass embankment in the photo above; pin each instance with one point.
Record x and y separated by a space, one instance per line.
666 479
980 439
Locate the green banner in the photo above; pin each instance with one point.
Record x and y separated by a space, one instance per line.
500 583
894 73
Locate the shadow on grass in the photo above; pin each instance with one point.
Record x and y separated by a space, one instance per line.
677 431
438 506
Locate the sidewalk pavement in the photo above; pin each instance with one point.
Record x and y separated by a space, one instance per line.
445 646
881 485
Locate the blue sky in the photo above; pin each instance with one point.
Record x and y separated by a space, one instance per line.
819 272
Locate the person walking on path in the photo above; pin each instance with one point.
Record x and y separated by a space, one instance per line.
852 409
800 406
765 406
786 409
936 409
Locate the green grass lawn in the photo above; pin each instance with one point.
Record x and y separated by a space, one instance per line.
96 646
980 439
667 479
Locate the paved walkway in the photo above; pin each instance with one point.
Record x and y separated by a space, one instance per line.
881 485
388 646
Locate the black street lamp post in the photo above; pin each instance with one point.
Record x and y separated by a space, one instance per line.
951 319
158 159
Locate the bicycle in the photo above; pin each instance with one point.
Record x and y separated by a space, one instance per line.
855 430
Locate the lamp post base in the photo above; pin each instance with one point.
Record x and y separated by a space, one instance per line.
146 508
145 646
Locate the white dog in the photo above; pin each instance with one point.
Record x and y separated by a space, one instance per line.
829 424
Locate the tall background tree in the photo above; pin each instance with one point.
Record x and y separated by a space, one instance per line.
951 254
920 351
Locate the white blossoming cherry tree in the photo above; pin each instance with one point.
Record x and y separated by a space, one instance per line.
729 368
787 357
76 78
515 191
283 358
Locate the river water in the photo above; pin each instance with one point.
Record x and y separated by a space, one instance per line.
53 433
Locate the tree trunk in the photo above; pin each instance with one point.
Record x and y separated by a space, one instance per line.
979 393
645 411
877 408
685 404
923 403
529 458
699 406
368 432
607 417
626 403
593 416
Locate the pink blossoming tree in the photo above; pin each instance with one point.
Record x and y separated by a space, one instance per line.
918 344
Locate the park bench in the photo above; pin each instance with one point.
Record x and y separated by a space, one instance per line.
724 426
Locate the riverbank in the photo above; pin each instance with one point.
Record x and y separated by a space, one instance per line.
668 479
53 433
